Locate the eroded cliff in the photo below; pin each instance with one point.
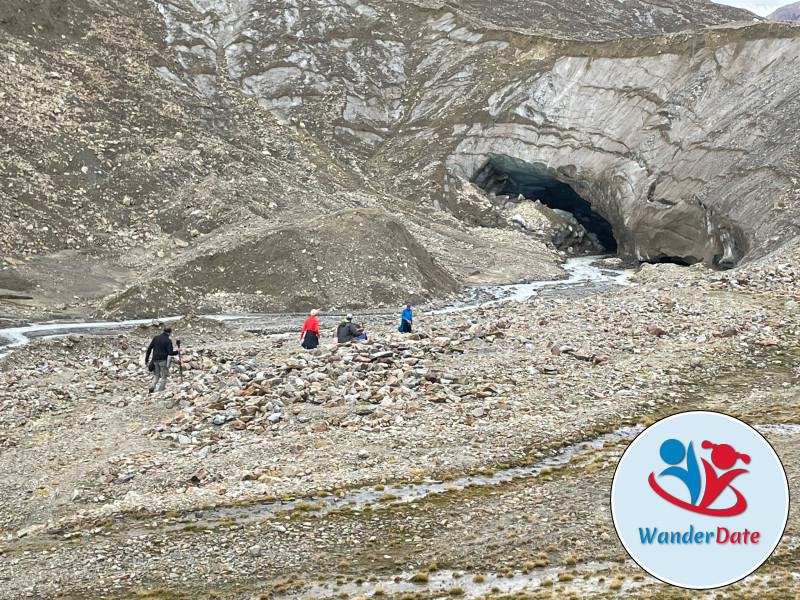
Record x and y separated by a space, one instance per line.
683 141
147 135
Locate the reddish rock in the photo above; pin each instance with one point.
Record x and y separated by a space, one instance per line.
198 476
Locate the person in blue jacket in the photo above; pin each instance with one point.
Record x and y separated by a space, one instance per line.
405 319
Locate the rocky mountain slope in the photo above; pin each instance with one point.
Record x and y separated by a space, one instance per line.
345 260
598 19
663 135
141 137
790 12
200 156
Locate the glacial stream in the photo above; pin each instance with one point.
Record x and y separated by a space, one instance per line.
593 577
407 493
458 584
360 499
582 275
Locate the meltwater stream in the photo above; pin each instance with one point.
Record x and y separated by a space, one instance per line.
359 499
581 273
14 337
458 584
407 493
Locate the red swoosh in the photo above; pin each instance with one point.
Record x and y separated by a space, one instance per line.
739 507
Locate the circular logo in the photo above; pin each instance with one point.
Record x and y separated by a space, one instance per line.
700 500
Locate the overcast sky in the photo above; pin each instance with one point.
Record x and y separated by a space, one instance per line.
762 8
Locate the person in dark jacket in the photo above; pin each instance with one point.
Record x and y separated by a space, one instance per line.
346 330
161 348
406 319
310 331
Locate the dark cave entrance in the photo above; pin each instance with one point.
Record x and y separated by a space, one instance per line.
507 176
672 260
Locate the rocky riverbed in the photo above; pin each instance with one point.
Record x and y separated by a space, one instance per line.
268 471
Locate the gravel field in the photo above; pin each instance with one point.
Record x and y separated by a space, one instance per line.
216 487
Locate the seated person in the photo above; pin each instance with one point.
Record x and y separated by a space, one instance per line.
346 331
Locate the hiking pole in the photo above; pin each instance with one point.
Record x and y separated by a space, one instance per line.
180 358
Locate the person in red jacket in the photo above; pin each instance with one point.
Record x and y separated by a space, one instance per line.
310 331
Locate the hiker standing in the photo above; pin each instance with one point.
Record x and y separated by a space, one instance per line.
161 347
310 331
406 319
346 330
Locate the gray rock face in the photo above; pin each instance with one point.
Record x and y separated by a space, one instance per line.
790 12
661 145
683 149
683 142
602 19
171 132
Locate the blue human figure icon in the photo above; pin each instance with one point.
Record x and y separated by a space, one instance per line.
672 452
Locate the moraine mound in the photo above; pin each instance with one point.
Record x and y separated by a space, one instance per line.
354 258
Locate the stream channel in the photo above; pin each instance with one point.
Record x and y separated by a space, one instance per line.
359 499
590 578
583 278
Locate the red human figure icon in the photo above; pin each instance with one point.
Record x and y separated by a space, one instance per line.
724 457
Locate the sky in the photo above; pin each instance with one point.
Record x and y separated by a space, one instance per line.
762 8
